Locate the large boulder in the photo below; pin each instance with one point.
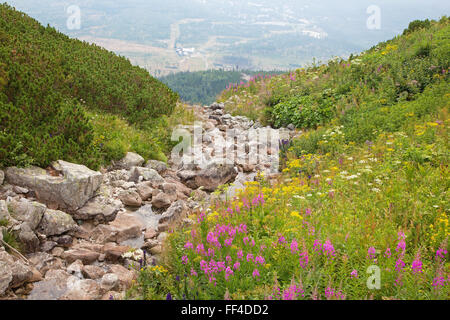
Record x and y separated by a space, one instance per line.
69 186
84 255
218 172
56 222
28 238
130 160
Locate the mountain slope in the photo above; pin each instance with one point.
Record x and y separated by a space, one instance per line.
48 81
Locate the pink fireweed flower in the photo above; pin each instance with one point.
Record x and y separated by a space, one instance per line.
401 246
237 265
417 266
201 217
245 239
317 246
255 273
193 272
388 253
228 273
212 279
293 292
440 254
303 259
237 209
211 252
294 246
193 233
308 211
354 274
250 257
242 228
200 248
260 260
328 249
189 245
252 243
240 254
399 265
229 211
371 253
228 259
184 259
281 239
228 242
439 281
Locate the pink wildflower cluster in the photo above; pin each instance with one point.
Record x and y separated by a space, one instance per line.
334 294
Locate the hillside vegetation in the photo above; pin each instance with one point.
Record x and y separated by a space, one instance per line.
54 90
363 192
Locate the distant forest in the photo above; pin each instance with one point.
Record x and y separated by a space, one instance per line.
203 87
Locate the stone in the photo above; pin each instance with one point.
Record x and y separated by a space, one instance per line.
93 272
2 177
147 174
29 240
55 222
82 290
57 251
44 262
291 127
158 166
156 250
125 276
130 198
127 226
217 106
47 246
52 287
86 256
162 200
75 268
144 191
218 172
114 252
104 233
5 271
199 195
130 160
4 212
98 210
65 241
27 211
150 234
20 190
70 190
109 282
176 211
186 175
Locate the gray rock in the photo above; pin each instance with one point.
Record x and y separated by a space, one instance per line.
27 211
55 222
161 200
82 290
130 160
2 177
174 213
70 190
97 209
144 191
158 166
28 238
109 282
147 174
13 273
218 172
84 255
130 198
